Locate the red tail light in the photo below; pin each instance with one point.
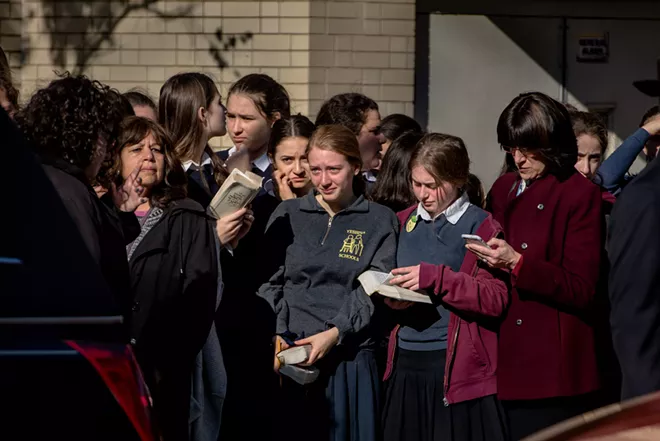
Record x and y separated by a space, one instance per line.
120 372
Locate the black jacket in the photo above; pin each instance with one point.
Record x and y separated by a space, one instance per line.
100 225
634 282
174 280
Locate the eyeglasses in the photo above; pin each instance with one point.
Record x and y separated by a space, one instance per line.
512 150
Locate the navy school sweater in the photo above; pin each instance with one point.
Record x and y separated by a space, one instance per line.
313 282
437 242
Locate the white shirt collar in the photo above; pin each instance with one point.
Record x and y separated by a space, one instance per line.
206 159
369 176
262 162
453 213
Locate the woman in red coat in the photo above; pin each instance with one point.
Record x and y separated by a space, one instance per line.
552 223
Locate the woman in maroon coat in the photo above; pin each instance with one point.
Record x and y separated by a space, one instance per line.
552 222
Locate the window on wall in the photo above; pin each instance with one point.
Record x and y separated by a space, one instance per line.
606 113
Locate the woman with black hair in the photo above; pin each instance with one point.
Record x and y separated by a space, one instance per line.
393 188
72 125
547 368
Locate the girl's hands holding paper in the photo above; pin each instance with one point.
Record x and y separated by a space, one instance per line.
407 277
321 344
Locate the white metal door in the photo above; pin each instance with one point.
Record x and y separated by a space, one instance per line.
477 65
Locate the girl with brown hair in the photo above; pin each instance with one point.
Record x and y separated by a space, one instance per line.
442 358
191 111
322 242
254 104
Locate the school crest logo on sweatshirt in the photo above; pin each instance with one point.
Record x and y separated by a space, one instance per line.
353 246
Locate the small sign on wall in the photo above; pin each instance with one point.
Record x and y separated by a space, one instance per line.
594 48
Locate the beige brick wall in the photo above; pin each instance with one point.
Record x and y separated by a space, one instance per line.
315 48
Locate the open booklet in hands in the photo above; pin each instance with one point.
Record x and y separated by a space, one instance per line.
238 190
376 281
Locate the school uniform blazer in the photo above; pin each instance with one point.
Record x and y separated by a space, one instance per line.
546 341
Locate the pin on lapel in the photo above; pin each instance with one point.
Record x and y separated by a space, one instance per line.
412 222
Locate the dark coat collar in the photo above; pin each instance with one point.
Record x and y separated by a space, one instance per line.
66 167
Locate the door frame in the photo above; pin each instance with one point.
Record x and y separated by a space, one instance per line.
645 10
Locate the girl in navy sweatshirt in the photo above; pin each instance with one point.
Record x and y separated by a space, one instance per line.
323 242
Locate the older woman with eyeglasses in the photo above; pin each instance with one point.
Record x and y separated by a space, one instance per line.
547 369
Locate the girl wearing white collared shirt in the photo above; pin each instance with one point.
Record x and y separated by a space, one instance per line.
254 103
191 111
442 357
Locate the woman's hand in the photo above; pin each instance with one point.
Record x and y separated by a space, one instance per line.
229 227
499 255
128 197
283 186
321 344
408 277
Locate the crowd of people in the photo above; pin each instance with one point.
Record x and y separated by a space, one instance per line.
555 313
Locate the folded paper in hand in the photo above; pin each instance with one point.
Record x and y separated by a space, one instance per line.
295 354
238 190
291 357
376 281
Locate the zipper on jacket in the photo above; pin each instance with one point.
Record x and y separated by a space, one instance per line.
452 351
327 231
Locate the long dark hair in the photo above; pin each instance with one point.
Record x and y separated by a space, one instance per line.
393 186
269 96
174 185
535 122
180 98
475 191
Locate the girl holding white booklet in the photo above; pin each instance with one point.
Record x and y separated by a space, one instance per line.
321 243
442 357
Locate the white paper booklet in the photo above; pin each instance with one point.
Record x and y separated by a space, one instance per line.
238 190
376 281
